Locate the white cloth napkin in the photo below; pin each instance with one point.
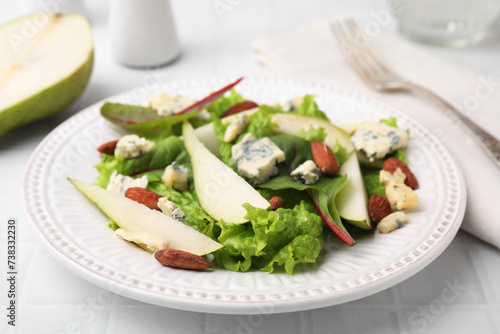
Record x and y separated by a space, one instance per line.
312 53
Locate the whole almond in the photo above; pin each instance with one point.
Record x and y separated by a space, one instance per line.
324 158
276 203
108 148
392 164
378 208
181 259
143 196
239 107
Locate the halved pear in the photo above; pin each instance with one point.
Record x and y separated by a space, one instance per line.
290 124
352 201
220 190
45 64
137 218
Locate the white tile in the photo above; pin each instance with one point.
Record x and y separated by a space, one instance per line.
449 279
489 270
342 319
85 318
431 319
253 323
49 283
154 319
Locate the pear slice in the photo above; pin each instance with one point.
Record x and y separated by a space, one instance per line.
45 64
290 124
220 190
352 201
137 218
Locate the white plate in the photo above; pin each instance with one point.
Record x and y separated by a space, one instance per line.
75 230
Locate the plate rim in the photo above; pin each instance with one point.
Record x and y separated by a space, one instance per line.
250 306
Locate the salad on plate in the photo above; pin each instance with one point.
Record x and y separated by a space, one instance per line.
229 183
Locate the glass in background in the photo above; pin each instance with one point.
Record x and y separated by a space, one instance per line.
455 23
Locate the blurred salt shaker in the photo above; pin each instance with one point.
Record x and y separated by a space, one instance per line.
143 32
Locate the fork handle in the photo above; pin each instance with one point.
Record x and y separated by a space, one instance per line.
486 141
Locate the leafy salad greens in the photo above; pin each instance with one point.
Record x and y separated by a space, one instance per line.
272 240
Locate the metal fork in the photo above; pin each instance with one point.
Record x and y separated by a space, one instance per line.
371 68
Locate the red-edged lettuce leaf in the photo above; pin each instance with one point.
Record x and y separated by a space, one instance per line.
143 120
209 99
146 121
322 195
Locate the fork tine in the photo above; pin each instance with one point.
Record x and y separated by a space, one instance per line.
370 53
348 50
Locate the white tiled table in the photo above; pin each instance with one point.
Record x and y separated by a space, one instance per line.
458 293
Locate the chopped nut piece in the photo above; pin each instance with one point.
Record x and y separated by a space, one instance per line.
276 203
379 208
181 259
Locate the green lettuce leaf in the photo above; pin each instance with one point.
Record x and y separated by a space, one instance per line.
322 194
272 239
372 182
270 109
187 201
224 148
391 121
296 149
340 153
220 105
312 134
308 107
260 125
401 155
165 152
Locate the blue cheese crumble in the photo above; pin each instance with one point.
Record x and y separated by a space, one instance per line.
293 104
167 105
170 209
119 183
144 240
307 173
175 176
400 196
133 146
236 126
392 222
256 159
376 140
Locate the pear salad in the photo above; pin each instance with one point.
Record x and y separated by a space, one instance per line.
224 182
